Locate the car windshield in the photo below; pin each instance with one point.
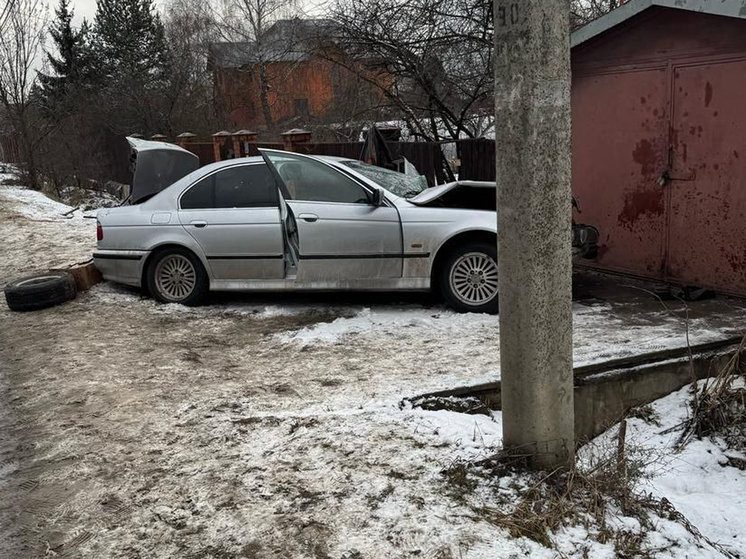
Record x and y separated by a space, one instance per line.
406 186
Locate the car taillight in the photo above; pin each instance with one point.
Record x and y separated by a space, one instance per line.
99 231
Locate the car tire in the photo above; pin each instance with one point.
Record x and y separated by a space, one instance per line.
468 278
40 291
175 275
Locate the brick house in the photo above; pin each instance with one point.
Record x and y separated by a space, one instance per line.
307 77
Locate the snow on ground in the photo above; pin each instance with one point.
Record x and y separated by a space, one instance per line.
270 425
37 236
699 480
599 333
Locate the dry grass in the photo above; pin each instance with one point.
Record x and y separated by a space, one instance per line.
719 408
606 485
647 414
591 494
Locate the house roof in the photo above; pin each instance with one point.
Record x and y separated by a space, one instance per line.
287 40
730 8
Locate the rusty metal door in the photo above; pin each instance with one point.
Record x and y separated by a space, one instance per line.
621 123
707 191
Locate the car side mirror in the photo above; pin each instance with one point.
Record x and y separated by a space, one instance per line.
377 197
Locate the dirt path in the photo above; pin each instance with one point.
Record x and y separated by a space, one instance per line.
255 427
130 431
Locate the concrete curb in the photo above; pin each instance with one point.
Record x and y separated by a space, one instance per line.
604 392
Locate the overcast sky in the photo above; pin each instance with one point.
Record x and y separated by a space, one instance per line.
86 8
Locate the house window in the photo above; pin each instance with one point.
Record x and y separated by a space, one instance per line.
301 107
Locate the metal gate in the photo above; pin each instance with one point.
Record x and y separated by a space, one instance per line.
707 193
659 164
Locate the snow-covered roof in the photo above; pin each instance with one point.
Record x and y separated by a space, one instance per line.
730 8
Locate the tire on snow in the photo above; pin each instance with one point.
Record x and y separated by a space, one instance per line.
40 291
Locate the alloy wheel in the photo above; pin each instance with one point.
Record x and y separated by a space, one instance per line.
175 277
473 279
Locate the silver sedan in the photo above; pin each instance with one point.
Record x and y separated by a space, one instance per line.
285 221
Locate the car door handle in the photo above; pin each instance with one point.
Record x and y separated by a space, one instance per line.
199 224
310 218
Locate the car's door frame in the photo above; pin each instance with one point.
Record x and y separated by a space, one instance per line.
325 258
237 259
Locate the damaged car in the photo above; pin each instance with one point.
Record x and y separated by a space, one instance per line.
286 221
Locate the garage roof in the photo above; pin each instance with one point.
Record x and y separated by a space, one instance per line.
731 8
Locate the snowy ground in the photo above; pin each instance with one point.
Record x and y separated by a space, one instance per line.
36 235
700 481
270 426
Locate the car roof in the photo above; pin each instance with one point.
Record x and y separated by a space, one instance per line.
258 159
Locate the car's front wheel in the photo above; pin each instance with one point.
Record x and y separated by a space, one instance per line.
175 275
468 278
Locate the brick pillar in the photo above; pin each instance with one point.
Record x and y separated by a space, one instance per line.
292 139
185 138
219 140
159 138
241 141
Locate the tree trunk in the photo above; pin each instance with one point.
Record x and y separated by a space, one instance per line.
264 93
27 155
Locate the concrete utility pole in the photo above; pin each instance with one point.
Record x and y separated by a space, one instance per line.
532 123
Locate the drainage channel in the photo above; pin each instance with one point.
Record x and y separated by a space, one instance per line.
605 391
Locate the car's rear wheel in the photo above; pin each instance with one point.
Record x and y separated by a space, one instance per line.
175 275
468 278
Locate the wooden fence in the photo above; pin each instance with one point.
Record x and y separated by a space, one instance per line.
425 156
477 159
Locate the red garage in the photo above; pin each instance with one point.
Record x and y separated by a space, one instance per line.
659 139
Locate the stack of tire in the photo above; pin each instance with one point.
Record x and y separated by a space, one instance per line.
40 291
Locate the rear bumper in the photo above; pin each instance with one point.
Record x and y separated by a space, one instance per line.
121 266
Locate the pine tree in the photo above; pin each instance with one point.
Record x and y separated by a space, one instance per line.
130 42
73 67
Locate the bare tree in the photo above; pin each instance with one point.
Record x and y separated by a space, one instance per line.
187 98
438 54
21 40
584 11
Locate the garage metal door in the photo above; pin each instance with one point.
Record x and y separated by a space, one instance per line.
659 164
707 209
620 146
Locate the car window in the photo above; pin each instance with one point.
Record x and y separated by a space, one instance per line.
247 186
201 195
406 186
310 180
